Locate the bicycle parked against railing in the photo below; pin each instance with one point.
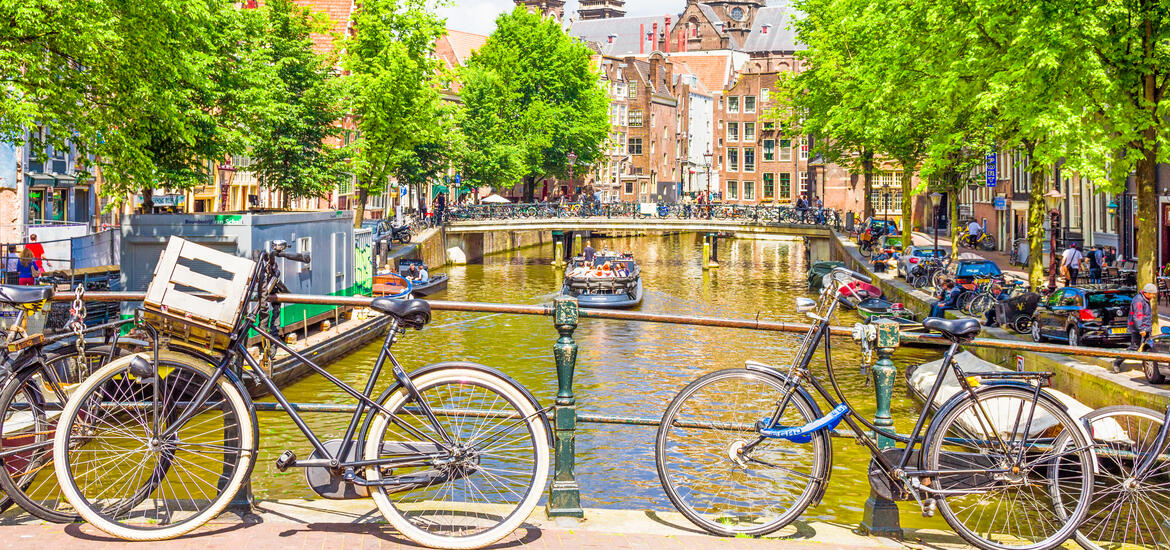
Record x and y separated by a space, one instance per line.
39 376
150 447
747 450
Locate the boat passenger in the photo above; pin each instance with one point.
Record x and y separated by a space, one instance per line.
424 276
588 252
412 272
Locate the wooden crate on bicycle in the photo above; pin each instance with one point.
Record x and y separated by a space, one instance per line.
187 304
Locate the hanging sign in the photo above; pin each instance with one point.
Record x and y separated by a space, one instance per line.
991 170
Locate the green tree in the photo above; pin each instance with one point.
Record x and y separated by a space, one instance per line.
431 154
392 86
532 96
291 152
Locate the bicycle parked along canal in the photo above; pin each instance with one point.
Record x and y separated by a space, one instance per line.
151 446
41 369
747 450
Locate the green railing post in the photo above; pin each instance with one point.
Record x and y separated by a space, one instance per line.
564 496
881 514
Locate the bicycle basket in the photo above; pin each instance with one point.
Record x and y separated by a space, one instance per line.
197 293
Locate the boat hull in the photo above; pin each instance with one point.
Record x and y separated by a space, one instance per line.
609 301
437 284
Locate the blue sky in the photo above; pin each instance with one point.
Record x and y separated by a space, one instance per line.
479 16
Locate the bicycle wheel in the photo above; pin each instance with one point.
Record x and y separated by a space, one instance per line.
698 451
988 242
866 250
1128 510
980 304
488 480
1007 496
136 483
29 407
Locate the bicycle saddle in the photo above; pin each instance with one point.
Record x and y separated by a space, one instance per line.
18 294
955 330
411 313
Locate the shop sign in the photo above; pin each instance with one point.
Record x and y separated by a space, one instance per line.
1000 203
991 169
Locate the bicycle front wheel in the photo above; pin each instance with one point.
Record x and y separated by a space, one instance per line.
481 466
130 471
1001 484
710 469
1130 508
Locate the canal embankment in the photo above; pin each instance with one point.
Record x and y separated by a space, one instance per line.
1089 380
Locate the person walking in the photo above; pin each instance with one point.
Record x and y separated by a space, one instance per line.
10 262
440 207
37 249
1071 260
1096 264
26 269
1141 321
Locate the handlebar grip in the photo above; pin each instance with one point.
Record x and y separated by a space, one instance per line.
302 257
854 274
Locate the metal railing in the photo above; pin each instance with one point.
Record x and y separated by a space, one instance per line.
565 492
756 214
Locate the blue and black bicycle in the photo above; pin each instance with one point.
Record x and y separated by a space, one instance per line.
744 451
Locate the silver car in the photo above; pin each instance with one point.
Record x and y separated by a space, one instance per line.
915 254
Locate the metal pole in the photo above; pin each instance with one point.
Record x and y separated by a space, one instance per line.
881 515
1054 217
564 495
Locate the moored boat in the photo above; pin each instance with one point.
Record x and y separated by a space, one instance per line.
610 280
392 283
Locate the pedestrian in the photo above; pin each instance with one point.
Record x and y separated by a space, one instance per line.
588 252
1141 320
10 261
948 297
38 250
440 208
26 268
1096 263
1071 260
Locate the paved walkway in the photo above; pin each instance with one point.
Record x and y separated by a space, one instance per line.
355 525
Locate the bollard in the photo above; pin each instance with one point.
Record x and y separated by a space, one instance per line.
881 515
558 248
564 495
714 257
706 252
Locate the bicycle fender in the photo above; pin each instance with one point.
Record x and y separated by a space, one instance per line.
989 384
363 433
783 378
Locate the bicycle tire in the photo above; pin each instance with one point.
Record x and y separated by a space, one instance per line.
980 304
962 432
866 250
746 512
411 519
988 242
123 518
1125 509
37 492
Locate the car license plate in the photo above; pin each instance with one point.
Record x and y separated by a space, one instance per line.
982 281
1121 330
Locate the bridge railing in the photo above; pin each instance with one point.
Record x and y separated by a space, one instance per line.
759 214
565 492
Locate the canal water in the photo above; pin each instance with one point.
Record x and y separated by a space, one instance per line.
623 368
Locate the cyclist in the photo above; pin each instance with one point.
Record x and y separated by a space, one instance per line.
974 231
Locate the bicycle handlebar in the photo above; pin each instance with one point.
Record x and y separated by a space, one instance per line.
854 274
302 257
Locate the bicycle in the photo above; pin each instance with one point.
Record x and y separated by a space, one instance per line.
455 454
744 451
38 381
984 241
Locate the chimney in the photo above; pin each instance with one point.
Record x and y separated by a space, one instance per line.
666 35
655 63
642 39
654 44
682 41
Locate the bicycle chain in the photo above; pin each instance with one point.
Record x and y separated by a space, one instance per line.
77 324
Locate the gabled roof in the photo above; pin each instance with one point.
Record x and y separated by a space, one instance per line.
457 46
714 69
780 37
626 31
339 13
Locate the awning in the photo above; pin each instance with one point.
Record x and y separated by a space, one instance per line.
437 189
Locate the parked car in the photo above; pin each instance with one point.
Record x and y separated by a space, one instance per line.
966 271
915 254
1083 316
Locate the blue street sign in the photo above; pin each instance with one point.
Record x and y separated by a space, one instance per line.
991 169
458 178
1000 203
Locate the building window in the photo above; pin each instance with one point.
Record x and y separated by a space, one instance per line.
749 159
804 148
785 150
732 190
633 88
629 187
785 185
769 150
769 125
635 146
804 183
636 118
732 159
619 88
769 186
749 104
732 131
733 104
764 95
653 120
749 190
749 131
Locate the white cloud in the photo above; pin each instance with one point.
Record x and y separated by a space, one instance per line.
479 16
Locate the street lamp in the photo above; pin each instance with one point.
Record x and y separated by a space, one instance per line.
1053 199
707 203
572 161
935 200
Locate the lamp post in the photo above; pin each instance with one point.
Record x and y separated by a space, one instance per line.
935 200
1052 198
707 201
572 161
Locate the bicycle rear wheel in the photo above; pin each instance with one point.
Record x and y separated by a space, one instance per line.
479 487
1008 496
1129 510
706 474
136 483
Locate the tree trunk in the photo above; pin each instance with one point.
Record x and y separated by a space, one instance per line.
953 207
1145 229
359 211
1036 215
867 177
907 206
529 187
147 201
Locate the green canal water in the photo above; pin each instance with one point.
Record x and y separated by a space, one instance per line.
623 368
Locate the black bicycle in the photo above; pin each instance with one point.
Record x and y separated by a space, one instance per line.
747 450
455 455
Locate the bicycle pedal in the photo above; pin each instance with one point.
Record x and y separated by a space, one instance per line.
286 459
928 508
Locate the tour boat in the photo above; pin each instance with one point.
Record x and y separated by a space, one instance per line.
610 280
389 284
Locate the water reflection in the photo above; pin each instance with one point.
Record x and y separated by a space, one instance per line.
623 368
